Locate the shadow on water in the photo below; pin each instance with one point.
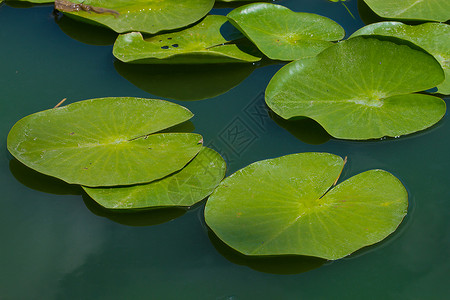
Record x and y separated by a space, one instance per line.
229 32
305 129
367 15
40 182
138 217
84 32
185 82
284 265
47 184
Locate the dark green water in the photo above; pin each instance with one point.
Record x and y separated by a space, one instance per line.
58 244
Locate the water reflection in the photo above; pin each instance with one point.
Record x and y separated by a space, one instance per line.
286 264
305 129
84 32
142 217
47 184
185 82
40 182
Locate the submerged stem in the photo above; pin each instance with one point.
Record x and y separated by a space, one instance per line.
348 10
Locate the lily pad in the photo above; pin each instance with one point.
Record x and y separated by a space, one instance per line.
283 34
201 44
288 206
432 37
142 15
105 142
433 10
360 89
35 1
188 186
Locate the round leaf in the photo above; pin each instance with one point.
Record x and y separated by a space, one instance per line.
186 187
202 43
105 142
433 10
359 89
141 15
432 37
281 206
35 1
283 34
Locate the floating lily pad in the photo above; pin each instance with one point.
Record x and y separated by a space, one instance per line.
283 34
360 89
432 37
142 15
433 10
285 206
105 142
188 186
201 44
35 1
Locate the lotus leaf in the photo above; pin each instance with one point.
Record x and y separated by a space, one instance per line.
287 205
432 37
202 43
186 187
142 15
34 1
433 10
360 89
105 142
283 34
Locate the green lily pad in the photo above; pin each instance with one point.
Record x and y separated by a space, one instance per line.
188 186
433 10
283 34
432 37
35 1
105 142
200 44
142 15
284 206
360 89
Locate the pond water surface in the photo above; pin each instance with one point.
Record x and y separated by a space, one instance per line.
56 243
